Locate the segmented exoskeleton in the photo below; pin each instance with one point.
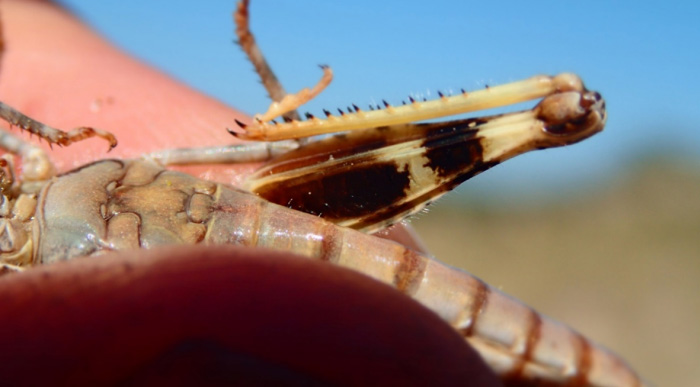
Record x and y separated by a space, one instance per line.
129 204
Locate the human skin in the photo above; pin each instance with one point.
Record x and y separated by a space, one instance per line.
56 70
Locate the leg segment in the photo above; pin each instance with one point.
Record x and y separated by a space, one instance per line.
502 95
247 42
52 135
250 152
36 165
231 154
291 102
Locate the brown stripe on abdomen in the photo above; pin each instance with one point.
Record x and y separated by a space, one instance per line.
331 244
481 296
534 333
584 362
409 273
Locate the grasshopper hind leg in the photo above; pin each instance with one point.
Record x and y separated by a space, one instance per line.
284 105
246 40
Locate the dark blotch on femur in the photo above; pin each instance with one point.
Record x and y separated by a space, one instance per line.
453 148
342 192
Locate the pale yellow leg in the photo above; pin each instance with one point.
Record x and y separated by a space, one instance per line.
497 96
291 102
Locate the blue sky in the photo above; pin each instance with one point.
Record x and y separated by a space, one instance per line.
642 56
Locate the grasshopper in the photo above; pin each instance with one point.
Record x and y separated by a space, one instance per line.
317 197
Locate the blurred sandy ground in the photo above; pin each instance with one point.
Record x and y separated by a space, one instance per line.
619 262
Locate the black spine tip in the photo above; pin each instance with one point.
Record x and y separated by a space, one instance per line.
342 113
411 99
357 109
440 94
287 119
309 116
386 104
327 113
463 91
240 124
